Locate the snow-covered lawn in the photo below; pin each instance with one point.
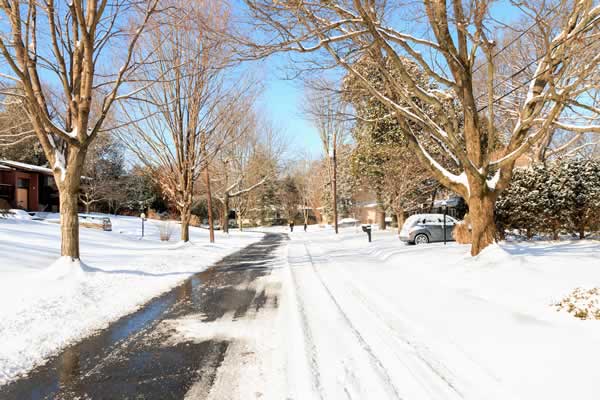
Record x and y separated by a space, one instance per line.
386 320
45 305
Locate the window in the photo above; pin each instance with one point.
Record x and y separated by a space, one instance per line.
6 191
22 183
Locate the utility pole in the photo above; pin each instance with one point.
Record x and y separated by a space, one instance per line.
211 228
334 184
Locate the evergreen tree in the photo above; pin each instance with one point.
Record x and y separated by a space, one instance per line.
548 199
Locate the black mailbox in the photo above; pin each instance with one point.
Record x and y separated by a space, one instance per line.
367 230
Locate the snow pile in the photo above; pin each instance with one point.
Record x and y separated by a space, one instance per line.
64 268
492 255
48 302
582 303
17 214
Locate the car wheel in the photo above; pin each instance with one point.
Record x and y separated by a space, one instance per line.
421 238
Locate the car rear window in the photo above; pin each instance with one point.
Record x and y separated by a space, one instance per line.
412 220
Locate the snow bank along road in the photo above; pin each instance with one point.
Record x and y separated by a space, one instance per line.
171 348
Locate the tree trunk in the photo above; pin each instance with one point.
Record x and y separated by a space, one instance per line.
211 228
225 225
69 219
399 218
68 183
540 150
185 223
432 200
481 212
334 188
381 220
305 214
380 213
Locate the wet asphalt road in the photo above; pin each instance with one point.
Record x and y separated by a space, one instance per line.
129 359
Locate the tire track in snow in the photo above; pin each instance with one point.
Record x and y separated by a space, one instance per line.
420 350
311 348
434 366
383 373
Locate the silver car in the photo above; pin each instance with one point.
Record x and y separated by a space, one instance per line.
425 228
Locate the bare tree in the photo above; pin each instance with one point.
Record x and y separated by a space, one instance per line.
44 43
91 193
564 77
303 174
180 122
328 116
247 163
211 224
17 139
514 63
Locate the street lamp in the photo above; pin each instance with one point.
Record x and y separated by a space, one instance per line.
445 206
143 217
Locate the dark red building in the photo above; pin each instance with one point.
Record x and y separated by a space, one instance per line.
28 187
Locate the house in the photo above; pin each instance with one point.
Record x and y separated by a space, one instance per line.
454 206
366 209
28 187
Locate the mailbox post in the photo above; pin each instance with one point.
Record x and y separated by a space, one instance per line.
367 230
445 213
143 217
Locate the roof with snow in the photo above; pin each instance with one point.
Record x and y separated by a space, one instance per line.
8 165
367 205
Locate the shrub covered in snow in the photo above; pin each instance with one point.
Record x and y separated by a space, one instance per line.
582 303
554 198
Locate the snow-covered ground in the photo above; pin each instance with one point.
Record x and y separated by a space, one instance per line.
46 304
389 321
346 318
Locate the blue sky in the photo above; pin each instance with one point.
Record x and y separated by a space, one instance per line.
282 100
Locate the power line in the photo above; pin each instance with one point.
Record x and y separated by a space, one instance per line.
514 40
529 65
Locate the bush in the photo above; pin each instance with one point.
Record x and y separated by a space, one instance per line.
582 303
200 209
4 205
550 199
